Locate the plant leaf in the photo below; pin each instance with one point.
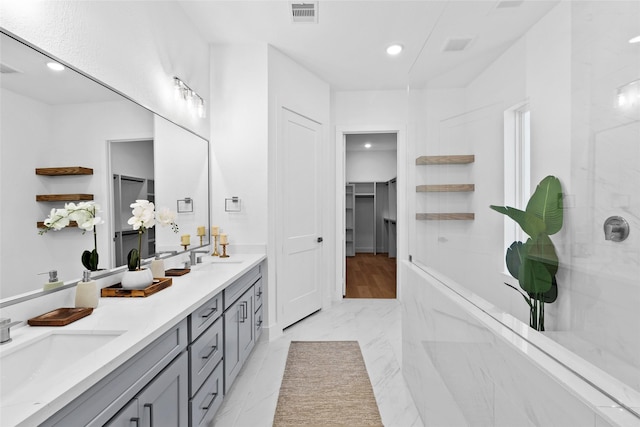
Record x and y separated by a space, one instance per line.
551 295
546 204
541 249
530 224
132 259
90 260
514 258
533 276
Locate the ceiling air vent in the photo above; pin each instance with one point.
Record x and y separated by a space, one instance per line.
456 45
5 69
304 12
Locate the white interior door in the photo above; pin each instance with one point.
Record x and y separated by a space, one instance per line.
300 216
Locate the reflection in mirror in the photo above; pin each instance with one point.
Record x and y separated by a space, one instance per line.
54 119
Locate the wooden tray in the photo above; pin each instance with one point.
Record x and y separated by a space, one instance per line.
177 271
117 291
60 316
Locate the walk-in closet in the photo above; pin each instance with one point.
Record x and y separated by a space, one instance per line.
370 215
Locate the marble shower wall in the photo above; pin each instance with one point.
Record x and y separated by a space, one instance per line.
465 369
604 291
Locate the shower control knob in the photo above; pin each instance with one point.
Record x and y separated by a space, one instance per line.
616 229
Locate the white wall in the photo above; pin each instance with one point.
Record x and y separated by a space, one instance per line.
239 141
250 85
367 166
135 47
294 87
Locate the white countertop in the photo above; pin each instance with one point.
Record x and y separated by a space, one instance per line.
139 320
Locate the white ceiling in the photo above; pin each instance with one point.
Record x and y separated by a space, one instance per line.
346 48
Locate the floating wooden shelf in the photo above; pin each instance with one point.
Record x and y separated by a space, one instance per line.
443 188
444 216
40 224
445 160
66 170
63 197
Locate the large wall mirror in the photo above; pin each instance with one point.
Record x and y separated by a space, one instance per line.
60 119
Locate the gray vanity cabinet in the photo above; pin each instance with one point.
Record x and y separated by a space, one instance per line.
163 402
161 362
206 349
239 323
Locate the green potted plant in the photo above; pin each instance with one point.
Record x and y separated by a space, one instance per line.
85 214
144 217
534 263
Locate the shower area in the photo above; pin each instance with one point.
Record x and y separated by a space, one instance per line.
470 357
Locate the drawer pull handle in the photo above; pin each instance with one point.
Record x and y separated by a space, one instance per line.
135 421
209 312
214 348
208 405
150 406
243 309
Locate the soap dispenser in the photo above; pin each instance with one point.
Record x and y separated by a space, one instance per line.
87 291
53 281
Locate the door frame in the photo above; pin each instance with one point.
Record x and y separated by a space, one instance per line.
401 196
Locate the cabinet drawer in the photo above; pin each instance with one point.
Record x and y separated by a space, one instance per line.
237 288
257 294
204 355
204 317
258 322
203 407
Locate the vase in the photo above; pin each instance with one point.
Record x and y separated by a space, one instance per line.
137 279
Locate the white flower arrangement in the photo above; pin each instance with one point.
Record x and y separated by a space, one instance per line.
145 217
85 214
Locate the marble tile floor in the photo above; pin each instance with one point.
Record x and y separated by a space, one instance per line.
374 323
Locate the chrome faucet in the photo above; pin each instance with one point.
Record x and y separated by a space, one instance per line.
5 330
194 258
171 253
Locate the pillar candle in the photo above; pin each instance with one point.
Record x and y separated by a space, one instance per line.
201 231
223 239
215 230
185 239
157 268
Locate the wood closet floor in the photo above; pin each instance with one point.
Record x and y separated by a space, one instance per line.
371 276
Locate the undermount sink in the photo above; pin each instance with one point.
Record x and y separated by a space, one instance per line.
37 362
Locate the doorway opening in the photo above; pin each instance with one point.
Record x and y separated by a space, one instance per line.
370 215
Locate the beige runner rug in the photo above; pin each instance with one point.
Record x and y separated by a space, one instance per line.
326 383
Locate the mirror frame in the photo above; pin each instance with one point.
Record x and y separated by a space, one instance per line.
28 295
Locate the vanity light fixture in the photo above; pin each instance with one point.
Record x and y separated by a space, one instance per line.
636 39
367 145
629 95
394 49
56 66
194 101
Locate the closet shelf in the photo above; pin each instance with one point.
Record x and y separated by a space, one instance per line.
445 160
445 216
65 170
443 188
63 197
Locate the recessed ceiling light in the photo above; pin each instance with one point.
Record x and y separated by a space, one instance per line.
394 49
636 39
55 66
367 145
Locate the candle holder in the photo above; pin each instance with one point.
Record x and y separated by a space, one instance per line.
201 240
215 245
185 247
224 250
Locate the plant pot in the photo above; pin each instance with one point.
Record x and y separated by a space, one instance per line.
137 279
